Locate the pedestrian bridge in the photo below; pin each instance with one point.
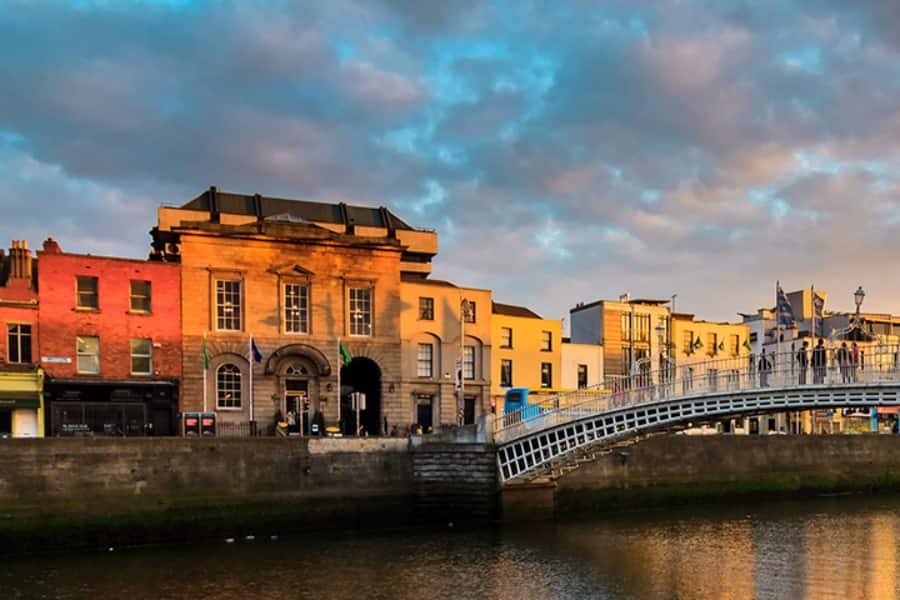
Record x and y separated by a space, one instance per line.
565 427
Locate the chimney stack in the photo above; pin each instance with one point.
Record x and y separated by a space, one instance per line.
20 261
51 246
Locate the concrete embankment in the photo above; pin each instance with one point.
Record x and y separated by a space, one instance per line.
100 492
677 469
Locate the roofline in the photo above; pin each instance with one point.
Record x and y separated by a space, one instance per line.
42 253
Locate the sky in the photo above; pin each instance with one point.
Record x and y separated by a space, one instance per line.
565 151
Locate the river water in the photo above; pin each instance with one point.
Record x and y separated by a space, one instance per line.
837 547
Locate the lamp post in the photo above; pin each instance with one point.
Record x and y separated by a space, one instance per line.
858 296
660 333
465 308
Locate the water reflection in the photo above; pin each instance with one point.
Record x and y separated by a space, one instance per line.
829 548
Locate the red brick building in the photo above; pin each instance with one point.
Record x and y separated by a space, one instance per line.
112 343
21 380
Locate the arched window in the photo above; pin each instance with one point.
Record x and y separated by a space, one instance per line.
228 386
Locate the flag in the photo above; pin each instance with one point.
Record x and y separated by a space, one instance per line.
345 355
784 312
819 314
257 355
205 355
748 346
721 346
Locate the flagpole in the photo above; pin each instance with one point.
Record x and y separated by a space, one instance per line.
339 363
251 361
205 368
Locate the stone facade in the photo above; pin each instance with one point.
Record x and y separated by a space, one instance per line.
430 332
301 282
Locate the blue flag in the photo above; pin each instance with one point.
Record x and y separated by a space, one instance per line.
257 355
784 312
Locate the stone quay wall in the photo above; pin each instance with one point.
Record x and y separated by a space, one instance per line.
680 469
97 492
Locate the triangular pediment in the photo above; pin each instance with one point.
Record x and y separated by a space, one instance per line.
291 270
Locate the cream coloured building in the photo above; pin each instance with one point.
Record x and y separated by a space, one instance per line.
431 326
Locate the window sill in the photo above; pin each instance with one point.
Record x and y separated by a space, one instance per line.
229 409
140 313
145 375
300 333
85 309
88 374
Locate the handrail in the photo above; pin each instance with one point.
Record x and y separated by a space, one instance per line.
830 366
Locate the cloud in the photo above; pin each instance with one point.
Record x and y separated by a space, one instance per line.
564 152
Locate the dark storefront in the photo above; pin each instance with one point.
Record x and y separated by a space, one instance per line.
107 408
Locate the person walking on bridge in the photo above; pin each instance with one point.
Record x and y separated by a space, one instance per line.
843 360
803 361
765 366
819 362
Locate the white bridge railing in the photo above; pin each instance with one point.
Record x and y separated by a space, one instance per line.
827 366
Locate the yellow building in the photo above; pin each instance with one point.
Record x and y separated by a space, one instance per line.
432 320
22 397
527 351
701 341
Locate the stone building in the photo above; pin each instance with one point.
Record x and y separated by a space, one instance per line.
303 279
628 329
110 344
21 378
433 319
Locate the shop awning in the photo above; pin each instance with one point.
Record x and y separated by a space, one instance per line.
20 399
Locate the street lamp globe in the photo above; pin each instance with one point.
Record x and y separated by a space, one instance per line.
858 297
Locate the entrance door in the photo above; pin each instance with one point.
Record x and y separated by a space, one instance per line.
469 411
296 399
425 413
5 423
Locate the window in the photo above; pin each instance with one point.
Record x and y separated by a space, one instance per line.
506 372
87 295
506 337
228 304
712 340
546 375
642 327
626 326
360 311
426 309
19 343
687 341
546 341
228 386
734 344
88 355
469 313
140 296
141 357
753 337
626 360
582 376
425 360
469 362
296 308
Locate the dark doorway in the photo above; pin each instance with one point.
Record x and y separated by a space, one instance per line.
5 423
469 411
425 412
361 375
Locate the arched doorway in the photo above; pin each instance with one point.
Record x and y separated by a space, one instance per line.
361 375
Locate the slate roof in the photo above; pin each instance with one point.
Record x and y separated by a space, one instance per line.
511 310
321 212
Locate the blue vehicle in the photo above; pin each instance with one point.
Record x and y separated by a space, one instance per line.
516 399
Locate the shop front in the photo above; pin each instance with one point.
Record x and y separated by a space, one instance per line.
21 404
111 408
